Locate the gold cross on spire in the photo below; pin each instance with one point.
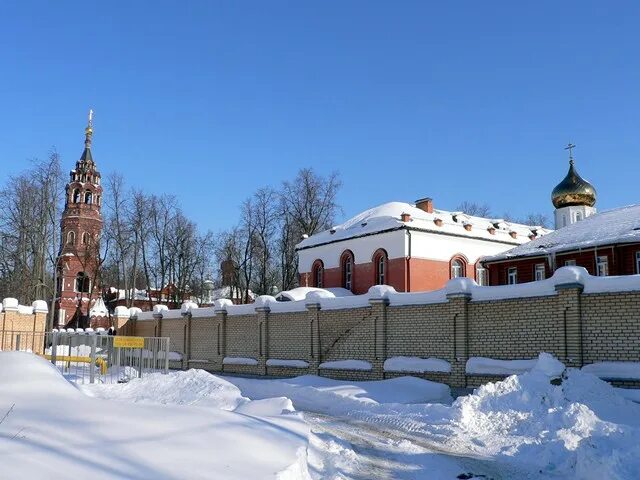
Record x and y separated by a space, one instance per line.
570 146
89 130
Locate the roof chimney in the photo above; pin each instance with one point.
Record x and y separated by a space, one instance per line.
425 204
405 217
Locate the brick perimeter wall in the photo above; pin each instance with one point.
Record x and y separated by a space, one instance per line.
578 328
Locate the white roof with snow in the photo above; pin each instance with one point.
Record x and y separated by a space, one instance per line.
387 217
618 226
300 293
99 309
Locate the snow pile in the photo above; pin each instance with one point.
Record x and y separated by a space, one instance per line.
191 387
545 423
239 361
580 428
52 427
614 370
416 364
346 365
339 397
281 362
492 366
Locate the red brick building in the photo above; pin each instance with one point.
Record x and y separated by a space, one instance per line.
81 226
412 248
605 243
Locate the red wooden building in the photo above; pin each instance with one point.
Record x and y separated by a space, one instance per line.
606 243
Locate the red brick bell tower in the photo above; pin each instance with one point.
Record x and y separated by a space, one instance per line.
79 258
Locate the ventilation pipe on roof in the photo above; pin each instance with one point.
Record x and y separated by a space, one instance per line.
405 217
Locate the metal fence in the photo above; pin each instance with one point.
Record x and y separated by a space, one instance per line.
94 357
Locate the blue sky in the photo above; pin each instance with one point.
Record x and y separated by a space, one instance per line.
209 100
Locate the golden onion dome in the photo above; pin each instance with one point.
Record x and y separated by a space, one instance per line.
573 190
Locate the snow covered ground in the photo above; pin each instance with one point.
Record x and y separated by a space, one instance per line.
545 423
54 430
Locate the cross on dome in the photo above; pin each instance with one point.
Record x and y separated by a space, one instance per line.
570 146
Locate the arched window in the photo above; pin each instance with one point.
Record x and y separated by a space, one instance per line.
85 238
318 274
99 200
346 263
83 283
71 238
76 196
457 268
380 264
88 197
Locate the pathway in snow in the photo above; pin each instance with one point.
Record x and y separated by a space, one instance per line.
355 450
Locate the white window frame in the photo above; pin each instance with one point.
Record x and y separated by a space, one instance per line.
512 276
348 272
481 276
457 269
638 262
381 272
539 272
570 263
602 266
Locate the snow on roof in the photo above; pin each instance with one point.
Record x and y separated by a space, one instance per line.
387 217
99 309
300 293
621 225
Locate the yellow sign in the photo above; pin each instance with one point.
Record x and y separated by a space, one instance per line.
128 342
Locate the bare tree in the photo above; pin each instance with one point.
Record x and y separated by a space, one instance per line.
308 205
475 209
30 206
531 219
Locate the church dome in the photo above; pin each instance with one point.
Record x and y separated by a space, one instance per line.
573 190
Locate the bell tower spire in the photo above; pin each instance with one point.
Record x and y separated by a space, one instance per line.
88 135
78 265
88 132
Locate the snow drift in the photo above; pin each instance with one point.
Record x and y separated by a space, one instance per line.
549 422
52 427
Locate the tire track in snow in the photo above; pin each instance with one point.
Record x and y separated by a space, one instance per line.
357 450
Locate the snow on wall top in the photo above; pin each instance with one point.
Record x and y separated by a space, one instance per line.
458 286
388 217
621 225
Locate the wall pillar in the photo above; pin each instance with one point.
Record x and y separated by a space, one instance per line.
186 348
157 327
313 312
263 349
570 314
459 314
379 315
121 320
221 337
